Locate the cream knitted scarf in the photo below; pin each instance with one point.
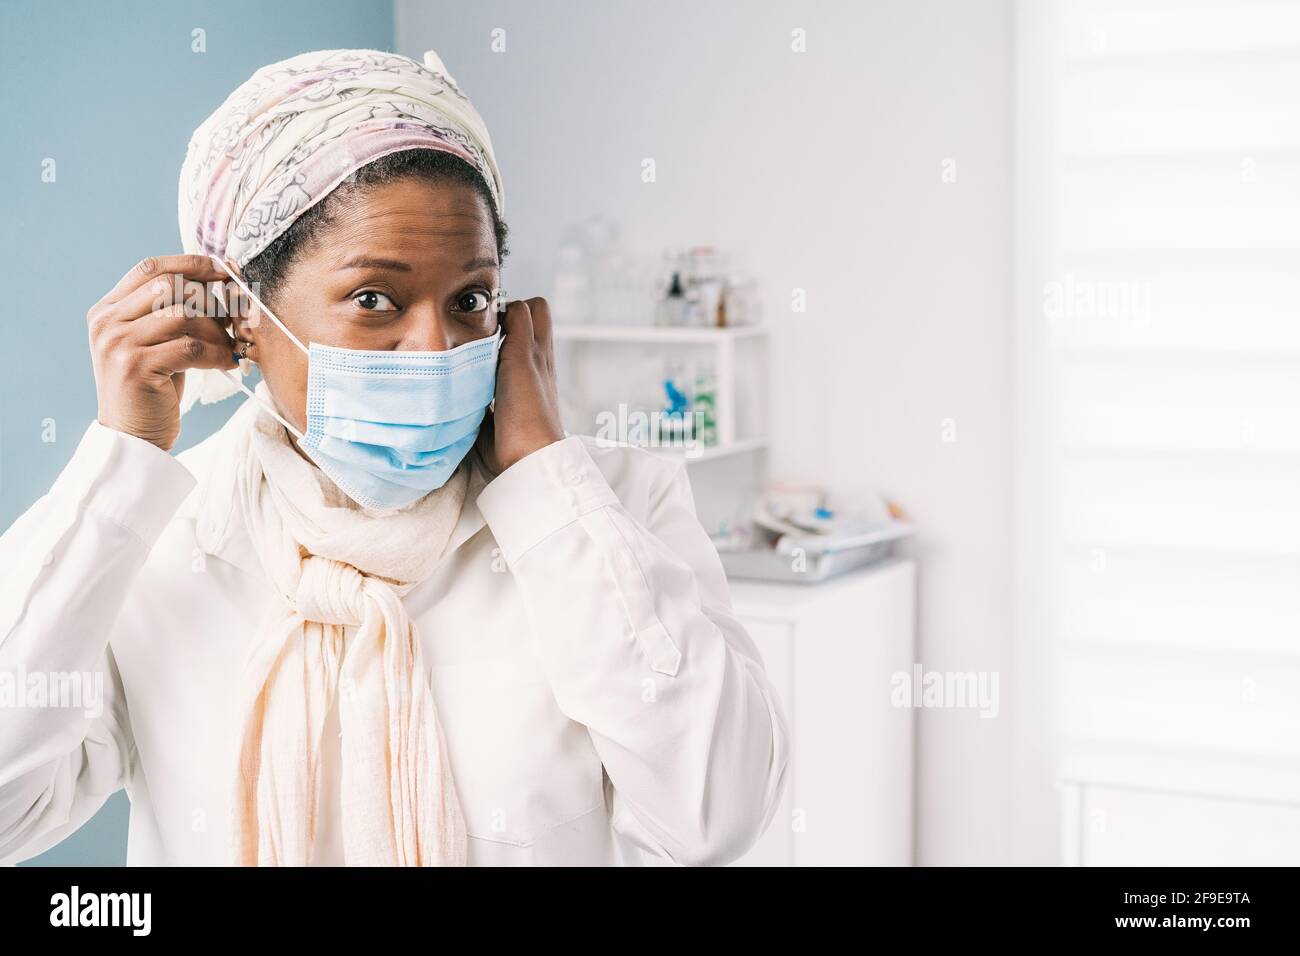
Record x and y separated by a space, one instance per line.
339 632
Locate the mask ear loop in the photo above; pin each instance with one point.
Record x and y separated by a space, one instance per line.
234 377
500 341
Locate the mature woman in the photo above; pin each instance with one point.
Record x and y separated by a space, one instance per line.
389 614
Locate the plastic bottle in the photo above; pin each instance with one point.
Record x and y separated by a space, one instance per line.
572 302
704 406
672 309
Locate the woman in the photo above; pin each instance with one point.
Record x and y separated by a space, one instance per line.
389 614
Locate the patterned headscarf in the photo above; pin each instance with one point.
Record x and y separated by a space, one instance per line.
294 131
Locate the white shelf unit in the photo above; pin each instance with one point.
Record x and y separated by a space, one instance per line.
849 791
743 446
739 366
686 335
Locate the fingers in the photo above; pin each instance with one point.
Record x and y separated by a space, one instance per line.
529 320
217 300
171 340
540 313
175 321
517 321
186 352
196 267
539 322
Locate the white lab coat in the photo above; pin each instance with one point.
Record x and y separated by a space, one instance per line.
596 692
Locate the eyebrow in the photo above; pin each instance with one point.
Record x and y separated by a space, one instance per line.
368 262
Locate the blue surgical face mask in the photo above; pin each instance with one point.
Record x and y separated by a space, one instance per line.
390 427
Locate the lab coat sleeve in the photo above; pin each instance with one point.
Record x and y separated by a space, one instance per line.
66 567
634 624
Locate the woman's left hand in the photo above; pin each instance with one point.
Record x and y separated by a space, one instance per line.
526 413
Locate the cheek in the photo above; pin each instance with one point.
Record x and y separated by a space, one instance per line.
284 368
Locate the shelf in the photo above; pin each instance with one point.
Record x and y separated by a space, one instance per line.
785 599
711 452
595 375
655 334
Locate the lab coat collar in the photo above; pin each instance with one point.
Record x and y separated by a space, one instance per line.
234 544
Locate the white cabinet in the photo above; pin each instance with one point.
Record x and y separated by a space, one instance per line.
832 650
1132 806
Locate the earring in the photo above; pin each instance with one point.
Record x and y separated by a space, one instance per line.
243 349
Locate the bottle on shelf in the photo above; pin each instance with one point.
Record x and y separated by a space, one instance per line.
673 420
703 287
672 309
572 297
704 405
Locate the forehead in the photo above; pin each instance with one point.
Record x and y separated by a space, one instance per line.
421 222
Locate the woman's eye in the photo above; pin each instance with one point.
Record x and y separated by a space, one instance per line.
372 302
473 302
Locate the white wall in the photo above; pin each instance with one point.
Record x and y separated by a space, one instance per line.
822 170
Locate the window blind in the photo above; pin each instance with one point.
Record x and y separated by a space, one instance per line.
1171 308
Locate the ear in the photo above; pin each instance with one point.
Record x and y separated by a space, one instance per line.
245 314
244 319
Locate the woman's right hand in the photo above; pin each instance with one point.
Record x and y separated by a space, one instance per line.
158 321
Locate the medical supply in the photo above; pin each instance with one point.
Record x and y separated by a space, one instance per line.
792 535
672 308
743 303
704 405
572 300
703 287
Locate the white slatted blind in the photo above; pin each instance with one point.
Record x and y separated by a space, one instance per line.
1173 334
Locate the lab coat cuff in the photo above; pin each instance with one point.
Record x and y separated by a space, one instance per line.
126 480
542 493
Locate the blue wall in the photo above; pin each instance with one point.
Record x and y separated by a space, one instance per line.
111 91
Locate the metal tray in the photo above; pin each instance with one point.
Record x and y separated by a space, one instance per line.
771 565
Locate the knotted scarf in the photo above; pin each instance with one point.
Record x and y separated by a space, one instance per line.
336 633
